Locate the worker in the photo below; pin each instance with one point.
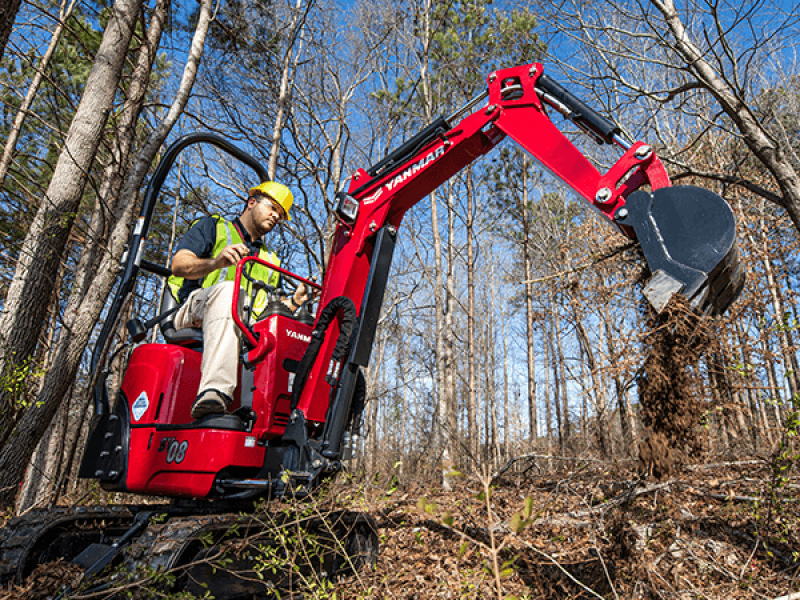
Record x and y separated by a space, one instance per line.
204 266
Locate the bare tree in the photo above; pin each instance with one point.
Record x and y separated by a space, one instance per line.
717 69
65 10
86 304
708 61
102 219
288 65
24 313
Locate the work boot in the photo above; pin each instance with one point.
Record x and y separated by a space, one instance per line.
210 402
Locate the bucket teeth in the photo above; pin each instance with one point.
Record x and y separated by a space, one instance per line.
660 289
688 238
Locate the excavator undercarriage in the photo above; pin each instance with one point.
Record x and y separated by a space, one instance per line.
230 551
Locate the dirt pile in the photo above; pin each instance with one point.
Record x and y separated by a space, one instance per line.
670 390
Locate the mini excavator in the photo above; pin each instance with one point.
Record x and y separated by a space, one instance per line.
300 390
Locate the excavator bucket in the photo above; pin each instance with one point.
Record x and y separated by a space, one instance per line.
688 238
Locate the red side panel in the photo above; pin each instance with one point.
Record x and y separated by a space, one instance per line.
184 462
288 340
161 382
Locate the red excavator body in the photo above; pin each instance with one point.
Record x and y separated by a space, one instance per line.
168 455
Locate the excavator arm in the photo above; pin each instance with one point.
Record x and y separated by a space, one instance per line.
687 234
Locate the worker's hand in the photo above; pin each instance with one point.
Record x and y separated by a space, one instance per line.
303 293
231 255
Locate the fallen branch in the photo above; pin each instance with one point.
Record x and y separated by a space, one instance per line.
562 569
724 497
737 498
511 462
577 517
740 463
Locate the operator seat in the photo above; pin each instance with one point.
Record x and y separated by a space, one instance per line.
189 337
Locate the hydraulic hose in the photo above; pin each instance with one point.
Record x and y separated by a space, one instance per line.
343 307
579 112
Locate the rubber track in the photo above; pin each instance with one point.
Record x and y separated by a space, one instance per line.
174 544
162 546
20 534
157 547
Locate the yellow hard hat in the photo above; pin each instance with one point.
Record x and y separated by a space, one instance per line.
278 192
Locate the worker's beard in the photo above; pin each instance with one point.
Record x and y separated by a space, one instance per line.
262 230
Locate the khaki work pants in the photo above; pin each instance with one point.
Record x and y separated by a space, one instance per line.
211 308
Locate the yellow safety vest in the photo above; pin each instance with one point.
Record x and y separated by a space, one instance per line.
227 234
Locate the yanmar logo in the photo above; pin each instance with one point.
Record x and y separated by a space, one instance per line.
298 336
412 170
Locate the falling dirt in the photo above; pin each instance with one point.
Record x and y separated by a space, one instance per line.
670 388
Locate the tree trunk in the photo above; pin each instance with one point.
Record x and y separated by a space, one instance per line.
533 418
450 394
79 432
377 377
285 89
562 379
404 384
40 474
506 437
40 257
83 311
30 95
776 159
758 427
8 13
44 470
624 417
599 392
548 429
472 400
719 412
444 433
553 361
34 480
493 440
372 432
772 376
784 332
585 387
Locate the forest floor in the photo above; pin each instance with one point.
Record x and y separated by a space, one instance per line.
724 530
593 532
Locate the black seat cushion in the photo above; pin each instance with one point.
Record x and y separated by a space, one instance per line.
191 337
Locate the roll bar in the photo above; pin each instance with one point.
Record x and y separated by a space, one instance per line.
132 259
